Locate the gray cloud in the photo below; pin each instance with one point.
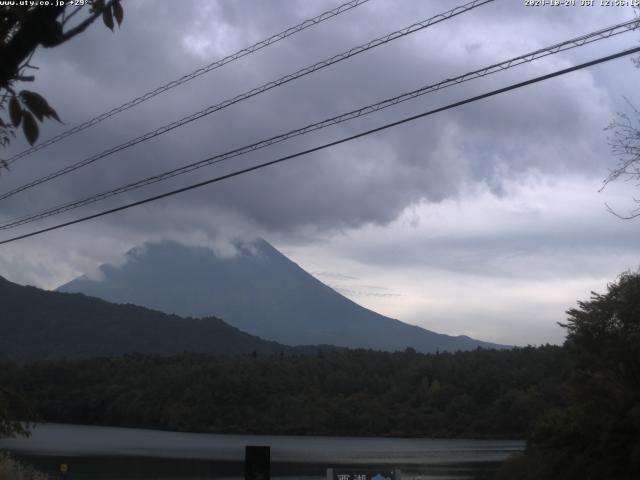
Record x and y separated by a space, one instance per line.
554 127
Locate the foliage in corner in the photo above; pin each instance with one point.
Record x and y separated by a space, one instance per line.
24 28
12 469
624 143
598 434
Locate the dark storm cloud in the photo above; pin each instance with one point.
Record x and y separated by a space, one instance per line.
552 128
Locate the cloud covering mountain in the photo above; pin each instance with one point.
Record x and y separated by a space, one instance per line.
259 291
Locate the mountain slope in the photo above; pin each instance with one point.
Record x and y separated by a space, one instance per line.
40 325
259 291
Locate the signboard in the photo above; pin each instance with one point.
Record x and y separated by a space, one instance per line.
363 474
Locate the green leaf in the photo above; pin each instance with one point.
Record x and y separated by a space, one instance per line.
30 127
38 105
97 6
54 114
107 18
15 111
118 12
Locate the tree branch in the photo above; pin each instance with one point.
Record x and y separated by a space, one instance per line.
82 26
70 16
38 28
631 215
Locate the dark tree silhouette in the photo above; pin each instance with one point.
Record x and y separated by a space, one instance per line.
598 434
22 30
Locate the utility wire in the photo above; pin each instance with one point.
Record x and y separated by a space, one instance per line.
492 93
258 90
201 71
528 57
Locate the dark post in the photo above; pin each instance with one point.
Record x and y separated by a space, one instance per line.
257 462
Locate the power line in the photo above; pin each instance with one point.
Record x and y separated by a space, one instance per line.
256 91
330 144
201 71
528 57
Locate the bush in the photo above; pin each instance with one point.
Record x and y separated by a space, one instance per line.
11 469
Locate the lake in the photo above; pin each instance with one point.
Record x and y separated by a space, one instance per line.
128 453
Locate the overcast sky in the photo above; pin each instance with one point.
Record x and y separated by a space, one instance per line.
484 220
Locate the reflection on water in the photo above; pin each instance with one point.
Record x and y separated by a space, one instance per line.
106 452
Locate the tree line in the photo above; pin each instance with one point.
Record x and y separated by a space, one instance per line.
482 393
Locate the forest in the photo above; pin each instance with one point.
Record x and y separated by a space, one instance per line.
483 393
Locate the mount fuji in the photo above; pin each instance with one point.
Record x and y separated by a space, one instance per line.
259 291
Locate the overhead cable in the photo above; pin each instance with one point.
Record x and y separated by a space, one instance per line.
185 78
498 67
492 93
256 91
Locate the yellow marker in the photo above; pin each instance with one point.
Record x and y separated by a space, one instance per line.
64 468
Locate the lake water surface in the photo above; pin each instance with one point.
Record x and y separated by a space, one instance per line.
126 453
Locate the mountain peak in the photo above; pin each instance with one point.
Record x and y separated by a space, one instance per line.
258 290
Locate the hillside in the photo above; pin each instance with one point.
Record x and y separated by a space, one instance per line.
259 291
40 325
